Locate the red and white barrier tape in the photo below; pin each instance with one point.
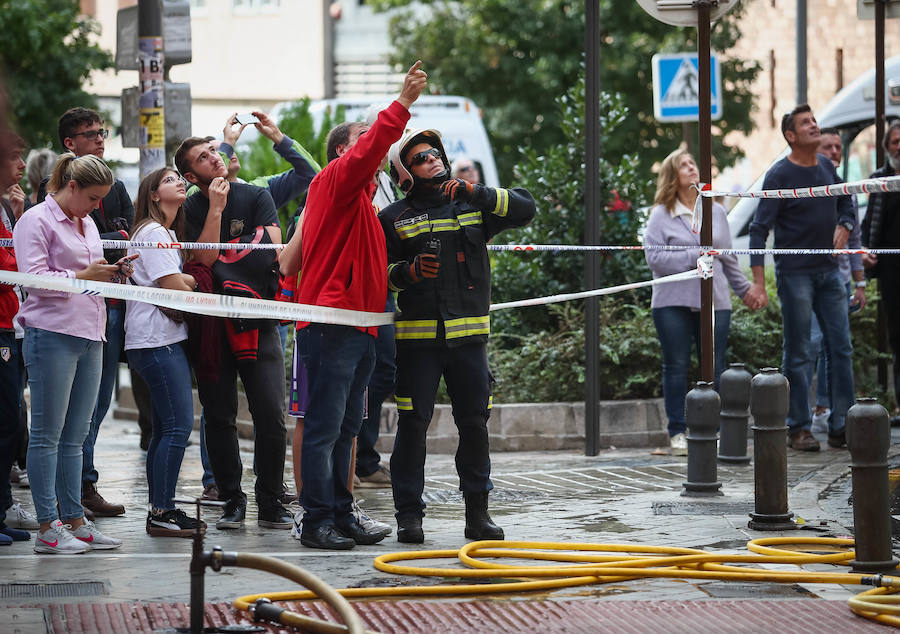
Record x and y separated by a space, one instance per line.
202 303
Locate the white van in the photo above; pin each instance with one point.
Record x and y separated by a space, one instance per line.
852 111
458 120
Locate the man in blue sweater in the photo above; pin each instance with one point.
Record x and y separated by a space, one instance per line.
807 284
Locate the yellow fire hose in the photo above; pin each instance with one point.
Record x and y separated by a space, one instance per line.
615 562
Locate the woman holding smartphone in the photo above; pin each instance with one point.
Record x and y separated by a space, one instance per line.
63 347
153 343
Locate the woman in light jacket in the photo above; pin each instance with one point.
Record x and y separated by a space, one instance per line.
676 305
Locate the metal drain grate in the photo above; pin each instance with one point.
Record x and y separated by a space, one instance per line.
701 508
52 590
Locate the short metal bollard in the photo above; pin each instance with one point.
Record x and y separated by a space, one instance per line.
769 393
868 438
734 392
702 413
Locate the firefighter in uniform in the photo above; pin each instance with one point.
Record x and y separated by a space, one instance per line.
438 263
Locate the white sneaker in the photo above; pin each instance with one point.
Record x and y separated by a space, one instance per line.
367 523
297 527
820 422
57 540
678 444
17 517
91 535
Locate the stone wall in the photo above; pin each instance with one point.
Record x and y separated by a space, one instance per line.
513 427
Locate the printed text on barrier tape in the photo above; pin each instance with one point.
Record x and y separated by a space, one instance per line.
202 303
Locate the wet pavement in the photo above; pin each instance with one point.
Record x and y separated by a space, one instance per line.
629 496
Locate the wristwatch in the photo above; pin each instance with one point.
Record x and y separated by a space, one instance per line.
861 284
848 225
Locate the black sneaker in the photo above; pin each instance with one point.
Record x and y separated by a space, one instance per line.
174 523
275 517
233 515
838 440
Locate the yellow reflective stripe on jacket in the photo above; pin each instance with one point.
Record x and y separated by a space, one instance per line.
471 218
444 224
403 402
411 231
440 224
415 329
467 327
391 270
490 401
502 202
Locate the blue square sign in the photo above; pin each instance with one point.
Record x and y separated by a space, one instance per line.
676 83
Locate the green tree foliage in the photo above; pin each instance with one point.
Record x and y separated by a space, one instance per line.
556 180
47 55
259 159
515 58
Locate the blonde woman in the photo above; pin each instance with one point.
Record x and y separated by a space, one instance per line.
153 342
63 347
676 305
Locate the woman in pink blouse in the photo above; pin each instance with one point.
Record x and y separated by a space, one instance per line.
64 334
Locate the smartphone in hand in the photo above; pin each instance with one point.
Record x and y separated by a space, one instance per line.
246 118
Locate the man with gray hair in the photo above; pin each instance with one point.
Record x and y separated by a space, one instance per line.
465 168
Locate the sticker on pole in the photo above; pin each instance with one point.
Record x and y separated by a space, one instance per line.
676 87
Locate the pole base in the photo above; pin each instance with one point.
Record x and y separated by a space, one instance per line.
780 522
873 566
734 459
701 489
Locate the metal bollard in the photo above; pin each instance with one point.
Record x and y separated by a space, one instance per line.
734 391
702 413
769 391
868 438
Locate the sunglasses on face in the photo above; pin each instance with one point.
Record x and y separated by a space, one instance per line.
422 157
90 135
468 168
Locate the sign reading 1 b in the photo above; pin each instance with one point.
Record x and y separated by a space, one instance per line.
676 87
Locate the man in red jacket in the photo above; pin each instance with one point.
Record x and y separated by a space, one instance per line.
343 261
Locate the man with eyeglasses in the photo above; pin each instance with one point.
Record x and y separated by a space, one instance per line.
81 132
807 284
438 263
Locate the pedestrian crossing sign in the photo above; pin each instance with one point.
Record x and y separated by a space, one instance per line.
676 84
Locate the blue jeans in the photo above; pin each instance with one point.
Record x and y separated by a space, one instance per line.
112 349
168 375
678 329
64 374
820 365
339 361
824 294
10 382
381 385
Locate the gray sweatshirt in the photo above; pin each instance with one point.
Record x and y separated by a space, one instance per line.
664 228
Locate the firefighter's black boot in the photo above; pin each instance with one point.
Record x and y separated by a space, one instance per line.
478 523
409 530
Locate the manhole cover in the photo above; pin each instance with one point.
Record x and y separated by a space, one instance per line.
754 590
52 590
702 508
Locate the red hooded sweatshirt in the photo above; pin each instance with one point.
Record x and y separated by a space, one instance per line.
343 252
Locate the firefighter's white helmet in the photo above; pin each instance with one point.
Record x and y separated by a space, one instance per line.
399 171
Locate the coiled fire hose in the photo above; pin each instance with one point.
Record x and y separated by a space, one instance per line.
588 563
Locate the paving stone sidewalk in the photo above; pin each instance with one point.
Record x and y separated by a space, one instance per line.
628 496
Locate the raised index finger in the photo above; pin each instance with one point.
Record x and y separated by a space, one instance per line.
415 67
